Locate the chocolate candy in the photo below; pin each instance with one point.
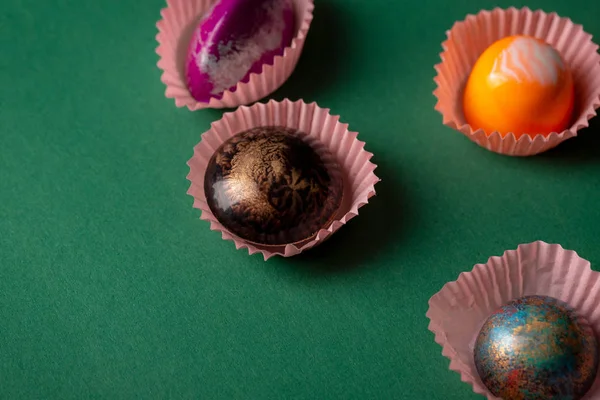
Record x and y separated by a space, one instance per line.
536 347
236 38
268 186
520 84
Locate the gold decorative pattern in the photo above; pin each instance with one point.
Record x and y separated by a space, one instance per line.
268 186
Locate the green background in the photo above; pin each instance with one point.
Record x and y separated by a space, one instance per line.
110 286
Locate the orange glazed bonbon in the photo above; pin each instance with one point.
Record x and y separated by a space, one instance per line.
522 85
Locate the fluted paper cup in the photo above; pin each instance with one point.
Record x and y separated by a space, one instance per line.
179 19
321 129
457 312
468 39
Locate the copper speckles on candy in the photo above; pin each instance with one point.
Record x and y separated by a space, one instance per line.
536 348
270 187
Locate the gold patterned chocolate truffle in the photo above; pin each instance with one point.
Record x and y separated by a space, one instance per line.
269 186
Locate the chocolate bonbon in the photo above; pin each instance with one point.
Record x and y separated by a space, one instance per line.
234 39
270 187
536 347
520 85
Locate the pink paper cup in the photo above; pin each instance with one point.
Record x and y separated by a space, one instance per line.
468 39
322 130
458 311
175 29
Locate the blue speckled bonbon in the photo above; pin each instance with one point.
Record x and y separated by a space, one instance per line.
536 348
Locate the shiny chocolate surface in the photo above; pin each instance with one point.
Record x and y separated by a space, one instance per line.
269 186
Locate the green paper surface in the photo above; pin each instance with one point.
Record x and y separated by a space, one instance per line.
110 286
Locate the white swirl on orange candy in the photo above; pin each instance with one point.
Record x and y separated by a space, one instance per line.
527 59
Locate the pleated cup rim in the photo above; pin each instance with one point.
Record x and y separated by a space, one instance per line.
175 29
458 59
320 126
458 311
